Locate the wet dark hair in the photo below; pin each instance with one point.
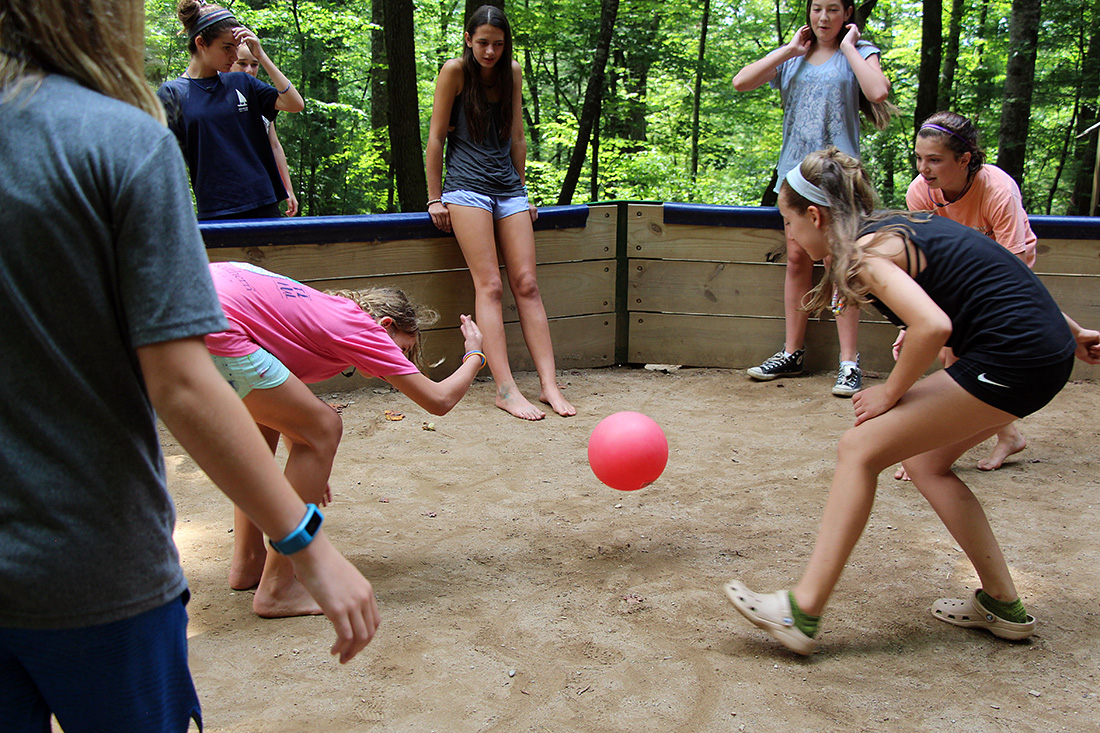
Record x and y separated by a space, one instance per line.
961 137
190 11
475 102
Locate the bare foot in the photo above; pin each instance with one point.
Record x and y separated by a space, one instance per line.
245 569
511 401
553 397
1009 442
901 474
281 599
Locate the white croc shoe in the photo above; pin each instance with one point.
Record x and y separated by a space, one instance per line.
772 613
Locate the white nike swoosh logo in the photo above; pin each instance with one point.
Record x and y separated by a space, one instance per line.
987 380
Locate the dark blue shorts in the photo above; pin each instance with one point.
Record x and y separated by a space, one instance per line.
1019 391
129 675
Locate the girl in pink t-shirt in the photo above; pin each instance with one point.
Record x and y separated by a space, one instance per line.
283 335
955 181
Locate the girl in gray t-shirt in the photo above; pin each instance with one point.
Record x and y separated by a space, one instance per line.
825 74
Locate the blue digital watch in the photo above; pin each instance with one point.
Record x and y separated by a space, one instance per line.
303 534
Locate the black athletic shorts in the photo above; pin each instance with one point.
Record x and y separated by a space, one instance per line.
1016 390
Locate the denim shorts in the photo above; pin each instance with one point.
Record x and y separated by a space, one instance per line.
128 675
258 370
500 206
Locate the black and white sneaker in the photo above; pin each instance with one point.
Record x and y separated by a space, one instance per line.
849 380
780 364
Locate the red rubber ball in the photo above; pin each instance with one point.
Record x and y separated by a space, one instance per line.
627 451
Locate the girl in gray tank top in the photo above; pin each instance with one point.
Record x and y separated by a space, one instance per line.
477 117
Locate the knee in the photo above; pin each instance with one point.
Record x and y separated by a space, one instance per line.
854 449
490 287
525 286
326 429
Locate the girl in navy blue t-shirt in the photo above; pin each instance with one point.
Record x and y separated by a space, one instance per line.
218 117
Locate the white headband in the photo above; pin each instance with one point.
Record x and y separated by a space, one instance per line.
804 188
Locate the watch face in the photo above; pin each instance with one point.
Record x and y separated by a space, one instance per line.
314 523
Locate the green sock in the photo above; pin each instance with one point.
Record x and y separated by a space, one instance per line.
803 621
1013 611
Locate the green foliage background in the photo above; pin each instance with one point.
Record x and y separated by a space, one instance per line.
337 157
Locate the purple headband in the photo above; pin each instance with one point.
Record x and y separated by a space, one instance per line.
208 20
952 133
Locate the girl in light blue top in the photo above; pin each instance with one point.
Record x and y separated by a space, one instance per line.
825 75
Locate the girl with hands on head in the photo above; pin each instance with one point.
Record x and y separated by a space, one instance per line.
477 116
947 285
218 117
826 75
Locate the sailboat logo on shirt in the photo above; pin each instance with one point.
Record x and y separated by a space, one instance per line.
242 103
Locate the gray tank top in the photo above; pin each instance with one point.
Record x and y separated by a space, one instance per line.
484 167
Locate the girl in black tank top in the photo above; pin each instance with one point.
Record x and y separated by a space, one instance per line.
948 285
477 116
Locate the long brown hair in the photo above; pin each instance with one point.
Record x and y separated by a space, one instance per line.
475 102
97 43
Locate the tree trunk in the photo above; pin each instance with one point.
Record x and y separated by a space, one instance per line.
379 104
404 116
608 10
699 69
594 182
1023 38
1084 149
931 51
532 112
951 56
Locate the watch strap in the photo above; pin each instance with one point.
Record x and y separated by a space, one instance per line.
303 534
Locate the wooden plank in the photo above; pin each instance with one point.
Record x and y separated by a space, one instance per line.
1076 295
739 342
579 342
648 236
311 262
1070 256
568 289
712 288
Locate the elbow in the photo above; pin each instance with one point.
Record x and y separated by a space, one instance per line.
940 329
739 84
879 97
439 408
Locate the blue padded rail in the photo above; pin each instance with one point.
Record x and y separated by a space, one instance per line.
767 217
367 228
1065 227
754 217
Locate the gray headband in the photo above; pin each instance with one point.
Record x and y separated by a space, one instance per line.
805 189
208 20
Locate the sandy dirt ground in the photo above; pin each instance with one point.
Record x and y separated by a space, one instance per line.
520 594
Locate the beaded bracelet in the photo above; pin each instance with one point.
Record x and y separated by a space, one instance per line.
435 201
288 86
468 354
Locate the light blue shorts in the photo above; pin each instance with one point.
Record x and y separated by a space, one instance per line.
258 370
500 206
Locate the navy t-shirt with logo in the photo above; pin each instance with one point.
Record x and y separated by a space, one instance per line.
219 122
